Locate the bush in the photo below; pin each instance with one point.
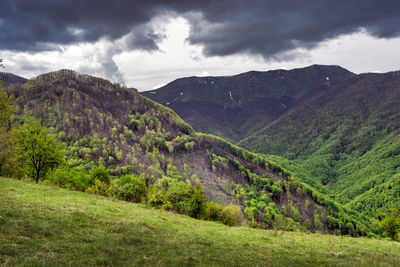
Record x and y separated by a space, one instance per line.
231 215
100 188
185 198
101 174
156 197
390 226
70 178
130 189
212 211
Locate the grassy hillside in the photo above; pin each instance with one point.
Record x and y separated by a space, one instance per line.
235 106
347 138
106 124
46 226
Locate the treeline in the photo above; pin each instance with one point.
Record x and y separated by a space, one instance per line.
169 193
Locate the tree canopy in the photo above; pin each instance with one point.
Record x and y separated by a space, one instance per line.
37 148
6 116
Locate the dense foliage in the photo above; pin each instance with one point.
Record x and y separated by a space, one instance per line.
391 224
6 117
346 139
36 149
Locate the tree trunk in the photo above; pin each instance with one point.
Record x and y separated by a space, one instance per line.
37 176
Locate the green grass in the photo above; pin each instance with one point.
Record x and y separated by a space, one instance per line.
42 225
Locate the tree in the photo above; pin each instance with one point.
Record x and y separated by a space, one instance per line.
101 174
7 111
391 224
231 215
37 148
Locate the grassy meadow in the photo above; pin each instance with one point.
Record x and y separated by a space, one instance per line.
43 225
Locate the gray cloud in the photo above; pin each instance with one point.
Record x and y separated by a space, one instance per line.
265 27
270 28
106 66
143 37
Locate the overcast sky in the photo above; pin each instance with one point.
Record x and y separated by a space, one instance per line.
145 44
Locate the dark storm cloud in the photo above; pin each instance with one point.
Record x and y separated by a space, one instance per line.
223 27
273 27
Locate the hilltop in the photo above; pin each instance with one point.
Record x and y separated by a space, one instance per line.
9 78
234 107
108 124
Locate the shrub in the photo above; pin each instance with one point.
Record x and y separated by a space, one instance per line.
390 226
70 178
101 174
269 216
100 188
212 211
250 212
156 197
231 215
185 198
130 189
189 145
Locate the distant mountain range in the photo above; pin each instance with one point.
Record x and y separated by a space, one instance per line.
341 129
234 107
9 78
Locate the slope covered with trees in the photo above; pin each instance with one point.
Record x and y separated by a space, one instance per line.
108 128
347 138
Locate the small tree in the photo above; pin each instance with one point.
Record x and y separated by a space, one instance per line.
37 148
6 117
101 174
231 215
390 226
130 189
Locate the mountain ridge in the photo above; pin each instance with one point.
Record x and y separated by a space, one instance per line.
235 106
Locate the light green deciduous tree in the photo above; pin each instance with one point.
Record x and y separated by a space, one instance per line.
37 148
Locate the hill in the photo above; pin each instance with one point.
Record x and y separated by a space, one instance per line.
234 107
107 124
347 138
46 226
9 78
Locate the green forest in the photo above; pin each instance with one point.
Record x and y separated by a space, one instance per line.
83 133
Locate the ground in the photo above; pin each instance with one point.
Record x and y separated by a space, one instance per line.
42 225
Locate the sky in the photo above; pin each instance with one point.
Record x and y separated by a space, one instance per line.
146 44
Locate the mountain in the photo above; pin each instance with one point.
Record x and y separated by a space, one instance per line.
108 124
9 78
347 138
234 107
